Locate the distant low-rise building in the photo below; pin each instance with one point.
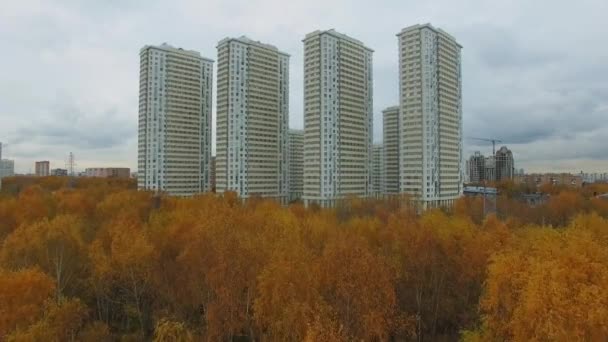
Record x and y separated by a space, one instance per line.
479 191
59 172
43 168
539 179
596 177
108 172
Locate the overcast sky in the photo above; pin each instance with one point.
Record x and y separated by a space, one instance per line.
535 73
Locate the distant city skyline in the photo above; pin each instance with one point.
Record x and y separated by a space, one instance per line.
73 81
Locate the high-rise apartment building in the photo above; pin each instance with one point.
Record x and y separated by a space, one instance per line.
175 94
378 171
43 168
337 117
476 168
296 164
505 168
391 129
430 115
212 174
252 119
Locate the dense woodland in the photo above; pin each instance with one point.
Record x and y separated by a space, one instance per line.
97 260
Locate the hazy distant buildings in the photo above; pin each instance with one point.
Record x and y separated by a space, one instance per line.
495 168
252 119
505 167
108 172
391 129
337 117
596 177
557 179
7 168
378 171
174 145
59 172
430 94
296 164
42 168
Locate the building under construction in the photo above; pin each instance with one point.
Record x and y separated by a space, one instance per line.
494 168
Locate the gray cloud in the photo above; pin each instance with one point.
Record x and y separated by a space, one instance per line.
534 73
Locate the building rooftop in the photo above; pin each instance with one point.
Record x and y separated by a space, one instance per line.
429 26
391 108
338 35
479 190
170 48
249 41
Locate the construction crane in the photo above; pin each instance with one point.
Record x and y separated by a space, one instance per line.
493 141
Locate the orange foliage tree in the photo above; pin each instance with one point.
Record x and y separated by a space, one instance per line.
96 260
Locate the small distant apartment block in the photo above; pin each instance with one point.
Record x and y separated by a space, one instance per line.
108 172
43 168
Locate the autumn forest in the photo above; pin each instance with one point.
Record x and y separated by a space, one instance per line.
97 260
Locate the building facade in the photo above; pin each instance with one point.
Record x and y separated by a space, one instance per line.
430 93
107 172
296 164
378 171
174 145
390 130
476 168
505 168
43 168
59 172
338 91
490 169
212 174
252 119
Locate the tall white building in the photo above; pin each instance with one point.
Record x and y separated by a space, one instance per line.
378 171
430 95
252 119
296 164
390 129
174 145
337 117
